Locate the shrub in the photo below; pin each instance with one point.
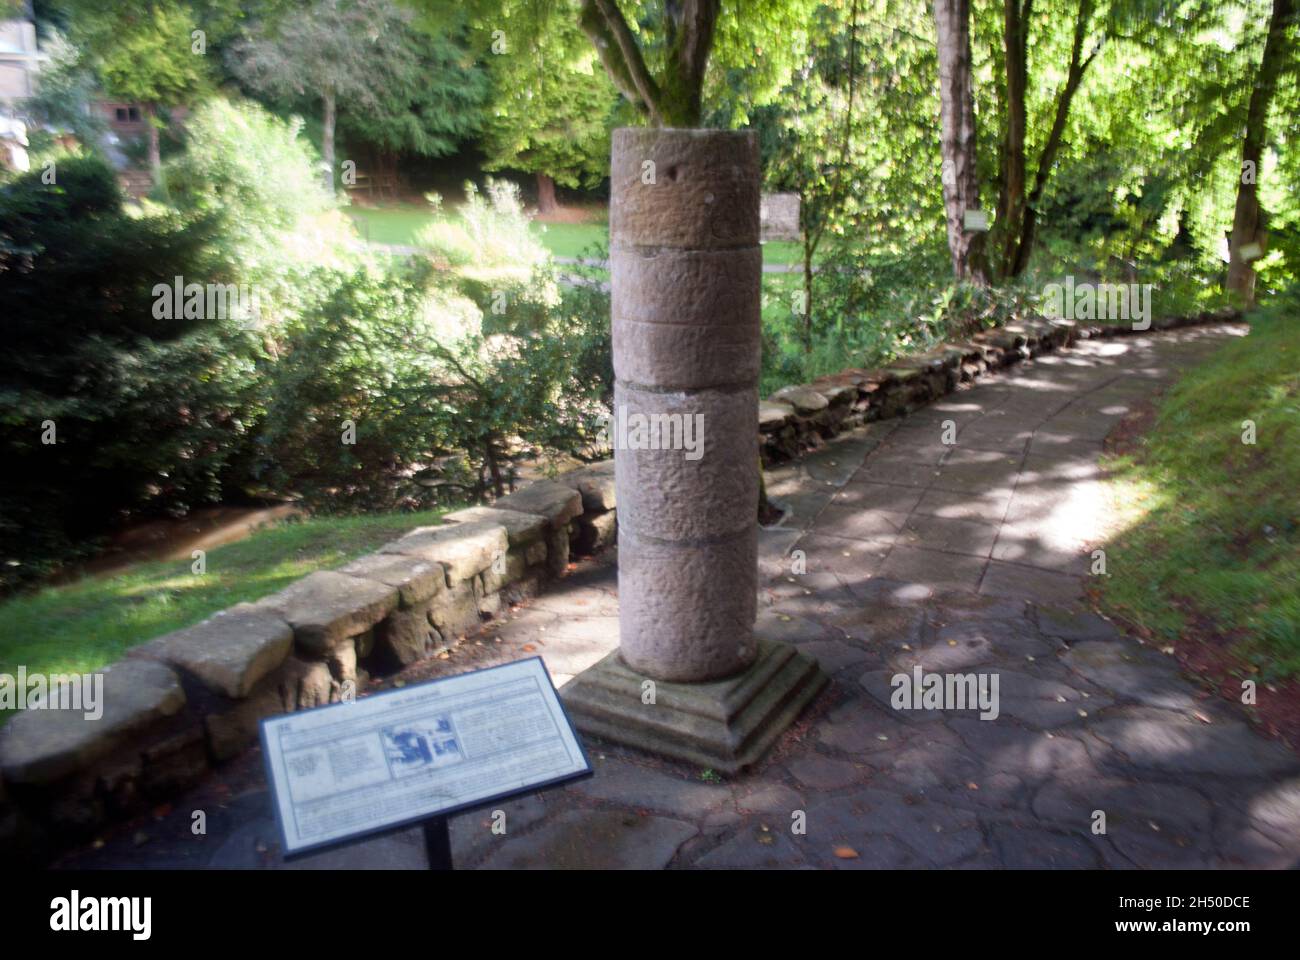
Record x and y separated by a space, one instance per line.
141 409
437 402
256 176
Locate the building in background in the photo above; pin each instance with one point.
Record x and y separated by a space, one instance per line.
20 61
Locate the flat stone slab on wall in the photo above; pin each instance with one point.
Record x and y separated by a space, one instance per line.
229 652
41 746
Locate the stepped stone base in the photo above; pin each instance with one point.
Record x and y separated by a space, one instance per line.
725 726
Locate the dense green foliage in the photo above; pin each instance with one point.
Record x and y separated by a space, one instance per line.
352 383
104 405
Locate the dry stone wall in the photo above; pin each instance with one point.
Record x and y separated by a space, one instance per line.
180 703
799 418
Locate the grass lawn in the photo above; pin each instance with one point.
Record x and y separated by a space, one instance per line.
400 224
396 225
1211 546
84 625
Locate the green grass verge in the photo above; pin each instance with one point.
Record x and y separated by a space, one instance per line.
1212 541
399 225
84 625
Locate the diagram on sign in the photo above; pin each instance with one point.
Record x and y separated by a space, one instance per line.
416 747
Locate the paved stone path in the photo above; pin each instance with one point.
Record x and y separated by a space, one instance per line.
962 557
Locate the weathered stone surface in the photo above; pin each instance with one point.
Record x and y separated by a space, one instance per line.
679 494
772 415
595 840
686 319
504 570
823 773
325 608
535 554
408 636
805 400
929 834
1075 625
596 484
1158 740
836 394
41 746
456 612
1019 848
464 549
555 501
416 580
596 531
725 725
229 652
521 528
307 683
704 192
557 551
755 846
685 612
623 782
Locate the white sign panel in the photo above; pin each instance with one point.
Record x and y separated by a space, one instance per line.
975 221
405 755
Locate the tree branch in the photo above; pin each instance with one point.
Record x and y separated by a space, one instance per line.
619 52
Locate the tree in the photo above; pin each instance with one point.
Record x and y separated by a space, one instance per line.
959 174
1248 225
551 101
844 134
146 55
107 404
433 98
345 54
1018 211
672 95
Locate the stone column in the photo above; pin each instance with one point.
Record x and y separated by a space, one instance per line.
687 275
690 680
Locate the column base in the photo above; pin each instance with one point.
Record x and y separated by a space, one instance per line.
724 726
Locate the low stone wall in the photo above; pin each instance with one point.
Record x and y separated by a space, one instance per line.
799 418
182 702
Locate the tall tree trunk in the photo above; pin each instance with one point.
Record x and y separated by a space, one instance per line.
1074 77
1017 213
155 149
1248 218
546 202
958 140
328 113
1011 197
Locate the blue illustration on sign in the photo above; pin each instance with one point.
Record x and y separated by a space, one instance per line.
415 747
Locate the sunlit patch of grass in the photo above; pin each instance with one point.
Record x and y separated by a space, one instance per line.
1211 523
84 625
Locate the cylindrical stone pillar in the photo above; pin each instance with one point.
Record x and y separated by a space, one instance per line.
687 274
